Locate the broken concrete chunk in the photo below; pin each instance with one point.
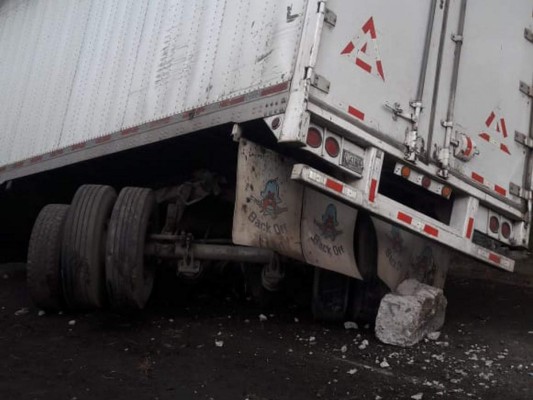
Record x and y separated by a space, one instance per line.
408 315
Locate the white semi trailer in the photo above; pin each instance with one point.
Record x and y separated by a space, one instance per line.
370 139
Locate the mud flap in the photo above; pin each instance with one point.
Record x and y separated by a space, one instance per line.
328 234
268 204
402 255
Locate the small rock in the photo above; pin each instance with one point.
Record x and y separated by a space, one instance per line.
352 371
384 364
417 396
312 339
263 317
363 345
219 343
296 320
72 322
41 313
344 349
22 311
350 325
433 336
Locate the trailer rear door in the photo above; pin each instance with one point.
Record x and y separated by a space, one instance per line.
375 56
491 107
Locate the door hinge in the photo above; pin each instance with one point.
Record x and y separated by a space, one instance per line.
519 191
528 34
523 139
526 89
320 82
330 17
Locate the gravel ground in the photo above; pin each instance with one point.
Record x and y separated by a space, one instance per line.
220 346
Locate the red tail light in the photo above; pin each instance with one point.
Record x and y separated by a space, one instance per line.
506 230
332 147
426 182
314 138
494 224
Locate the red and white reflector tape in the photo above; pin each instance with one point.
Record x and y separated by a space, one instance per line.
496 259
486 137
332 184
418 225
495 188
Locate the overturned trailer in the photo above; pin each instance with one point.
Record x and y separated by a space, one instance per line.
370 139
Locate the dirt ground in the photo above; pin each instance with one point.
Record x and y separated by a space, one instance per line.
221 347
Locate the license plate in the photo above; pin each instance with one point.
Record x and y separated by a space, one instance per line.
352 161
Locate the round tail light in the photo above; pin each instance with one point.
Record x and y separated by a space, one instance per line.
426 182
314 138
494 224
406 171
506 230
332 147
446 191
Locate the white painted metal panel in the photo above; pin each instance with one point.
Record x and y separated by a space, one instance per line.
372 57
489 106
75 70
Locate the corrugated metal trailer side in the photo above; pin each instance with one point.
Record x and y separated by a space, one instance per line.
77 76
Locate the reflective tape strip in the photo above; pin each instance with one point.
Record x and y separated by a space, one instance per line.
373 189
332 184
496 259
470 228
486 137
356 113
495 188
419 225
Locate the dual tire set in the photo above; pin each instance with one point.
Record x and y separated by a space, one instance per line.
90 254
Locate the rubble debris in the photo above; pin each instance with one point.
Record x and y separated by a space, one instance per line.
410 314
350 325
363 345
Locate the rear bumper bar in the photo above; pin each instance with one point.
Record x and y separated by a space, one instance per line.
400 215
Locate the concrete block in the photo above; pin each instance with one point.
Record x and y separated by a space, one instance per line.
408 315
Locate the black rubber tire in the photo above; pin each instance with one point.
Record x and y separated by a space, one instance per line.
83 248
254 288
44 258
330 295
365 295
129 279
